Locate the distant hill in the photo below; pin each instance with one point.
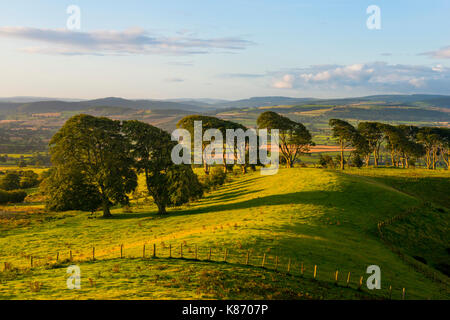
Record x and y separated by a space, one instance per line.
61 106
427 100
35 99
263 101
381 107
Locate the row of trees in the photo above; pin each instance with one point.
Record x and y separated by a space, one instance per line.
14 180
295 139
405 143
15 196
96 161
37 159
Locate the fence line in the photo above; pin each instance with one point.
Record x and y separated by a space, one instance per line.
416 265
247 258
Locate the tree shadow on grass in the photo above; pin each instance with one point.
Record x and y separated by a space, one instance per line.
243 183
305 197
228 195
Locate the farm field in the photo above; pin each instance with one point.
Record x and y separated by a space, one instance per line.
314 217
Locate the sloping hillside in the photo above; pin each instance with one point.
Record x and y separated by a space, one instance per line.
311 216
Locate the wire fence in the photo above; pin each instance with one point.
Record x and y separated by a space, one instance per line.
427 271
194 253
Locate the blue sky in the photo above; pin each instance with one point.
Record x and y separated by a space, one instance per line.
223 49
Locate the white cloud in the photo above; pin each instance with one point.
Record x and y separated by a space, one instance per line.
128 42
285 82
438 68
443 53
374 76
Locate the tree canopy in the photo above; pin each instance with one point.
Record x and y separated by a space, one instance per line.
346 135
96 149
295 139
168 183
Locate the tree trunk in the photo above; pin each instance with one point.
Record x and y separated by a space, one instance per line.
244 168
368 160
342 155
434 159
428 159
106 211
206 167
446 159
290 163
225 167
161 208
375 159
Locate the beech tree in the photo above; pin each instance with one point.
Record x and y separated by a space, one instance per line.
96 149
68 189
373 134
445 146
168 183
188 122
430 138
212 123
295 139
345 134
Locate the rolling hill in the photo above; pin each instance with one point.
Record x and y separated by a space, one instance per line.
298 217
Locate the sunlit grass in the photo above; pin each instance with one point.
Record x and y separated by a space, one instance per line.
318 217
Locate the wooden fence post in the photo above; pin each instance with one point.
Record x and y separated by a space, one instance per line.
70 254
263 260
315 271
289 266
31 261
403 294
181 251
336 276
302 269
121 251
348 279
225 255
248 257
209 255
360 283
170 250
276 263
154 250
93 253
57 257
390 292
143 251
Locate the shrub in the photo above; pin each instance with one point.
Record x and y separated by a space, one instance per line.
12 196
326 161
215 178
29 179
356 160
11 181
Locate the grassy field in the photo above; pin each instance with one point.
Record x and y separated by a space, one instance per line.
310 216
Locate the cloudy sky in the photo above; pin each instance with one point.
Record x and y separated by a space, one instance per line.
222 49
